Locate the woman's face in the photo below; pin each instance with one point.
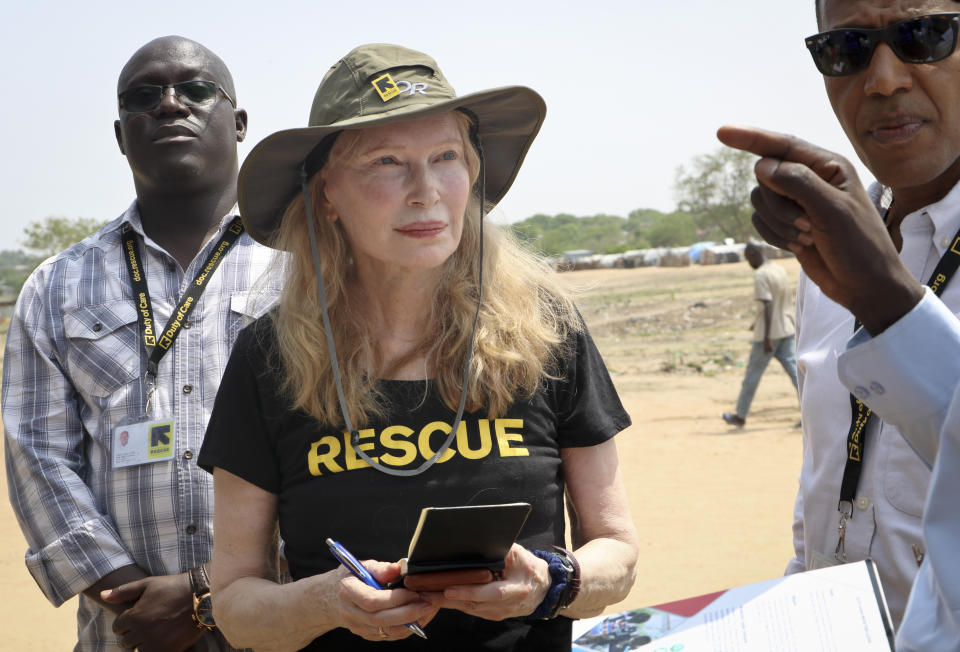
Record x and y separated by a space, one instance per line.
401 193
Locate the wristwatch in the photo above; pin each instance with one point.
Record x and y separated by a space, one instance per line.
569 564
202 604
564 582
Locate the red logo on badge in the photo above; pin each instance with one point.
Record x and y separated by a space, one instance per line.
124 438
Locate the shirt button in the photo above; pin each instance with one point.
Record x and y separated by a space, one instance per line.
945 242
861 392
191 529
187 389
188 455
187 324
97 327
877 388
863 502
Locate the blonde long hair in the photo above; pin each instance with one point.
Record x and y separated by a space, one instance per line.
525 319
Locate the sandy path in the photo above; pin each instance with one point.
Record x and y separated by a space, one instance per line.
28 621
713 504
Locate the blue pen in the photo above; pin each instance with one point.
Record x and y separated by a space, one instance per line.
344 557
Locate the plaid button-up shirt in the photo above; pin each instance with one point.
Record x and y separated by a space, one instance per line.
73 368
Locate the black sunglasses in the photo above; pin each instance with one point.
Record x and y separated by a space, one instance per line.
197 92
921 39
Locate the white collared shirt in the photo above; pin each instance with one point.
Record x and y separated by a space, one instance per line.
917 363
887 511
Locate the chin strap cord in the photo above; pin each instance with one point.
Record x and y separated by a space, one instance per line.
334 363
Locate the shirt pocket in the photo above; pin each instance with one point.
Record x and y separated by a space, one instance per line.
906 477
245 307
103 352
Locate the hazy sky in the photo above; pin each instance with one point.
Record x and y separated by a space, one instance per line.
633 88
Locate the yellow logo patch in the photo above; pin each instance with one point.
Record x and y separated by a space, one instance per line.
386 88
161 444
955 248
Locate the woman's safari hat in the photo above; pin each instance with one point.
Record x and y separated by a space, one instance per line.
374 85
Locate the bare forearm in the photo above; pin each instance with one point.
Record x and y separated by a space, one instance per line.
258 613
767 319
112 580
602 531
607 572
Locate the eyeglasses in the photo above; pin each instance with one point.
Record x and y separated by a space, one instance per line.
198 92
921 39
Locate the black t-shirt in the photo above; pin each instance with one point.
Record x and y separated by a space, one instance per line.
326 490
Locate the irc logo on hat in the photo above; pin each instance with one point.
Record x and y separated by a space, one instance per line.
386 88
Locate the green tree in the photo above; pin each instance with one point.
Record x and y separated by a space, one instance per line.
601 233
674 230
641 220
533 229
11 280
561 236
53 234
716 192
554 235
651 228
15 267
642 229
42 239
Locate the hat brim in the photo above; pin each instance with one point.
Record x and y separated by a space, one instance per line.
508 120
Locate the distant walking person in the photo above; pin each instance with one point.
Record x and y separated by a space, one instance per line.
772 330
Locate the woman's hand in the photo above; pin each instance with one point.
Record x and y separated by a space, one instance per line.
254 611
380 615
524 583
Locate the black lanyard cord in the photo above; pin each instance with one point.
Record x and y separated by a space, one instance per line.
861 414
157 343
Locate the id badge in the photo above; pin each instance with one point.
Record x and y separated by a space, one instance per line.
143 441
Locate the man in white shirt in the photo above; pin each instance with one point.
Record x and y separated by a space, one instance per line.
773 329
892 75
917 362
898 96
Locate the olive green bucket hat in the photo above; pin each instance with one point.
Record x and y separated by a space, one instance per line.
374 85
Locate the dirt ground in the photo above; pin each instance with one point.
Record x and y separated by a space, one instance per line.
713 504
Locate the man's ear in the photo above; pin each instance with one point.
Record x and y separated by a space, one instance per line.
119 135
240 116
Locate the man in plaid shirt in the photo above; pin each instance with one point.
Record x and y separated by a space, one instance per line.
113 360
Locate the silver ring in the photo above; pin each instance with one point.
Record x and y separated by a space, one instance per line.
383 634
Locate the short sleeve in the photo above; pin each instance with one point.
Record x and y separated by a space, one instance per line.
589 411
761 286
238 438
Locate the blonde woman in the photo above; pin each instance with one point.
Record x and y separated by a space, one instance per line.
418 358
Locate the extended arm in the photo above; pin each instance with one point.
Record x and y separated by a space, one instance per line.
71 543
913 368
604 537
916 362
